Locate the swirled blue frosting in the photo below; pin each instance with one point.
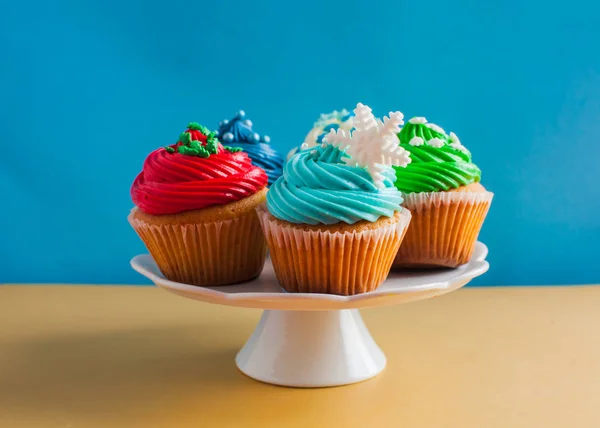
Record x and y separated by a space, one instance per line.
317 187
238 132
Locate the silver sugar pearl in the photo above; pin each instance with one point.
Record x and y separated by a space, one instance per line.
266 139
228 136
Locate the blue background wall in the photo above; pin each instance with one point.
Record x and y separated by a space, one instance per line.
87 89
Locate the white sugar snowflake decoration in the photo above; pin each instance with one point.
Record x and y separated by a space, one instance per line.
418 121
373 144
436 142
416 141
435 128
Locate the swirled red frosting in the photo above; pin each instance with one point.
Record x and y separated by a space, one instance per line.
171 183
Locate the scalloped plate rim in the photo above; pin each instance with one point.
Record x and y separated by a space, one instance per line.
145 265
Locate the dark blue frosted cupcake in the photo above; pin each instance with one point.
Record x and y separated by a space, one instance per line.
238 132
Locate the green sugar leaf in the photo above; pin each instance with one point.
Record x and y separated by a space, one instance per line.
185 138
197 151
196 145
212 145
194 126
203 153
185 150
170 149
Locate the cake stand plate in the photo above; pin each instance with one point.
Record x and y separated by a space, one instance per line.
316 340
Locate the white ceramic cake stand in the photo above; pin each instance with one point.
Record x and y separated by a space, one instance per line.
316 340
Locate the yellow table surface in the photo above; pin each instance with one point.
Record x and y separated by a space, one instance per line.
116 357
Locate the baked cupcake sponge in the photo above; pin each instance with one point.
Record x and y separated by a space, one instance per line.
444 227
338 259
213 246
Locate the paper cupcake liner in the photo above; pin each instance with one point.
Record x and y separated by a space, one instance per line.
206 254
332 262
443 229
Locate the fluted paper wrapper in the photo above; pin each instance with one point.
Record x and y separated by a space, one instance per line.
444 228
321 261
206 254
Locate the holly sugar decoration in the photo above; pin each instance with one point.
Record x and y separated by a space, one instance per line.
198 141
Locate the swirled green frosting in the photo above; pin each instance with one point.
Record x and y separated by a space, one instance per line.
439 162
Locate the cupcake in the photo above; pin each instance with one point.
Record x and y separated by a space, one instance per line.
333 221
327 122
441 189
195 209
238 132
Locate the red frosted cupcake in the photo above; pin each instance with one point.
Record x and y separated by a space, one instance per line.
195 210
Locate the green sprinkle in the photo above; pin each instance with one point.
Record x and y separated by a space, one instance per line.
232 149
195 149
170 149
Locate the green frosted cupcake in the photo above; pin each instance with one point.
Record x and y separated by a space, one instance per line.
441 187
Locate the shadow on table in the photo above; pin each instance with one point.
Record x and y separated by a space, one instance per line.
176 376
124 372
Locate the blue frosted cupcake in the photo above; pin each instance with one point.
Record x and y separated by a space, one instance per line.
334 221
238 132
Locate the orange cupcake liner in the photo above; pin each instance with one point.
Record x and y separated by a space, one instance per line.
444 228
332 262
206 254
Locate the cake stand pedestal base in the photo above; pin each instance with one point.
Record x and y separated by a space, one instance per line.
316 340
311 349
